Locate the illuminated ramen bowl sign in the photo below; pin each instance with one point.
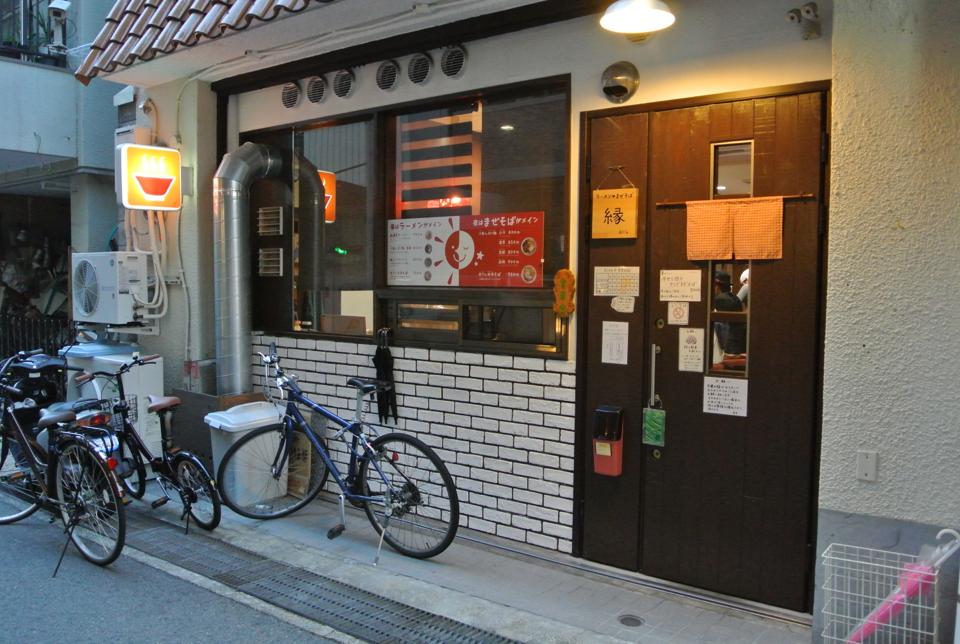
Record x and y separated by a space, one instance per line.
150 177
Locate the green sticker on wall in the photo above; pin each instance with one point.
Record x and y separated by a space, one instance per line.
654 426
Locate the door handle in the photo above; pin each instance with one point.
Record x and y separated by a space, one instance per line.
654 398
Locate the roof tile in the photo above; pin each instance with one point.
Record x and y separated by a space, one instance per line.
187 35
211 26
137 30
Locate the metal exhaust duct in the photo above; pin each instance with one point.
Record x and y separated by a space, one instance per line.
231 260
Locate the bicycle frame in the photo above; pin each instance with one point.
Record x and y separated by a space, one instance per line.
293 415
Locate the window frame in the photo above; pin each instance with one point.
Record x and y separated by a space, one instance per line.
384 184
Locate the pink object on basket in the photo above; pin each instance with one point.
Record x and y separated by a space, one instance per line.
917 579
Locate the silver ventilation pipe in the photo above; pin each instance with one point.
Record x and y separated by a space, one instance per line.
231 259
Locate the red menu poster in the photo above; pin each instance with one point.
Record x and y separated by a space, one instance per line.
502 250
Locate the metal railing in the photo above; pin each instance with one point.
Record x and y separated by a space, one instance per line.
22 333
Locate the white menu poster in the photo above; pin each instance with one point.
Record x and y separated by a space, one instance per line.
726 396
691 350
614 342
680 286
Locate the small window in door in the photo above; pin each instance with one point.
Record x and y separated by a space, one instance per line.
732 172
729 318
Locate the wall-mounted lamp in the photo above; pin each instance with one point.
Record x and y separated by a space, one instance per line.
637 16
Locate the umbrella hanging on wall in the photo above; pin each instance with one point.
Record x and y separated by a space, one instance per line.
383 361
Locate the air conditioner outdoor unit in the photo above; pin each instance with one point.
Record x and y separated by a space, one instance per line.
104 285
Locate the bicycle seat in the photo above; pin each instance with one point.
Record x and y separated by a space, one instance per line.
49 419
368 385
84 404
159 403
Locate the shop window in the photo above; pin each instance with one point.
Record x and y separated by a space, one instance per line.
479 218
445 222
730 318
333 263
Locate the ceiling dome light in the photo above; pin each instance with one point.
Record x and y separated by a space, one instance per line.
637 16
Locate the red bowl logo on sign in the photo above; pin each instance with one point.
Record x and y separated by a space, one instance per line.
150 177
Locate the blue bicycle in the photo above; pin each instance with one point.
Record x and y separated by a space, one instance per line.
402 485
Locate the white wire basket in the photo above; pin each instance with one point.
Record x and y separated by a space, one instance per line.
880 597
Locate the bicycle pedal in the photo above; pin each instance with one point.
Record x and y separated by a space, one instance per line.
161 501
336 531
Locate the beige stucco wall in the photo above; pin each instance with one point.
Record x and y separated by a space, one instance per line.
892 357
188 109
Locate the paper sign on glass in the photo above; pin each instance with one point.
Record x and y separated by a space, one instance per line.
494 251
614 342
615 213
691 350
680 286
725 396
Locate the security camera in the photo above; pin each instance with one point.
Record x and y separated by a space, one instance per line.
794 16
57 9
619 81
809 11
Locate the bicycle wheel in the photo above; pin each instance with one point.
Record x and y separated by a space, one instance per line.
424 509
193 479
135 482
89 505
246 481
18 491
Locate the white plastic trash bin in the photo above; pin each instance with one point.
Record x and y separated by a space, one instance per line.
228 427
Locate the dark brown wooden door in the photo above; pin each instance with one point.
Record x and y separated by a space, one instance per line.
726 504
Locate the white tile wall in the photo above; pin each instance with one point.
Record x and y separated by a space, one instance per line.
503 425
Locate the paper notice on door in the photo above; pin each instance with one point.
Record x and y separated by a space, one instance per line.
623 304
691 350
678 313
614 342
726 396
680 286
616 280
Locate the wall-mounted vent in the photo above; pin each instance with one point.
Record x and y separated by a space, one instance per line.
270 221
343 83
270 262
316 89
388 73
453 60
419 68
290 95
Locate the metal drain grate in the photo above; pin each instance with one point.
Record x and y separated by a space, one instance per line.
350 610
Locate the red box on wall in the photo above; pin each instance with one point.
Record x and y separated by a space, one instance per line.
608 441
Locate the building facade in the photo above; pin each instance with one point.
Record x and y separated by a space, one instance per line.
494 122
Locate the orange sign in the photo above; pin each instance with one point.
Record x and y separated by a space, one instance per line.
149 177
329 181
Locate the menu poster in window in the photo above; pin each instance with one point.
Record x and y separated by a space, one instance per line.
502 250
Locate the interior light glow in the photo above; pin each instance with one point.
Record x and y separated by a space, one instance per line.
506 127
637 16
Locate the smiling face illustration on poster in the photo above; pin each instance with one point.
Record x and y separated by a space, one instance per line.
459 249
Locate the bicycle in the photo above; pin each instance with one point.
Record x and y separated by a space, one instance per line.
401 484
177 469
62 467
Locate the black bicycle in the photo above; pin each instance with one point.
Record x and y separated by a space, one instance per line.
402 485
59 466
175 469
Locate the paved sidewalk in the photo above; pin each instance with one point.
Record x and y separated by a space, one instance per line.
518 595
